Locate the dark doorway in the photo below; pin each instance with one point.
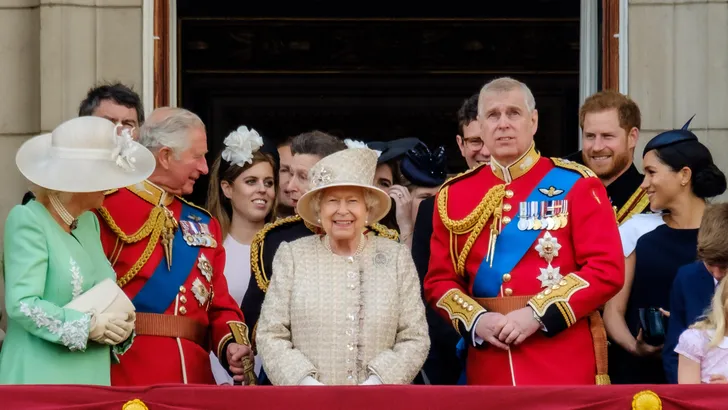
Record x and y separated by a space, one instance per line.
374 74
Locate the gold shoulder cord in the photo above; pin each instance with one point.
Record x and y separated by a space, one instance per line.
152 229
384 232
256 251
473 223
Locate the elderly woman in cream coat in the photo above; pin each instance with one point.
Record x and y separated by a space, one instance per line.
343 308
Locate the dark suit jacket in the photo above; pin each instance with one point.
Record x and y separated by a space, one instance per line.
691 293
442 365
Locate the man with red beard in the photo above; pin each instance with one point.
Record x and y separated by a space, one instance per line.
610 124
169 260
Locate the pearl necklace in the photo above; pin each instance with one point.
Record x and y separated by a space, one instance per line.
359 248
66 216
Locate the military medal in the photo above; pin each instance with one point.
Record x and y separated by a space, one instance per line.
563 217
536 216
532 216
197 234
523 216
200 291
544 217
205 267
548 248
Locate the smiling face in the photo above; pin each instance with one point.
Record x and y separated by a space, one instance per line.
471 145
252 193
506 125
607 147
662 184
343 212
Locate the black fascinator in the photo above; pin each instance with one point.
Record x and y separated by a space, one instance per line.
671 137
424 167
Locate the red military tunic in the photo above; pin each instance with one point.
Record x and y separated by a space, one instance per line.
589 259
202 301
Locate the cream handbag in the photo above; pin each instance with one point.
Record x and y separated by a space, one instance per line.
104 297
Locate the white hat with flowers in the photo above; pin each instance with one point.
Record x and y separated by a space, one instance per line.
85 154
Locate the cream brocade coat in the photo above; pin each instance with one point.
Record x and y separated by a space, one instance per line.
343 319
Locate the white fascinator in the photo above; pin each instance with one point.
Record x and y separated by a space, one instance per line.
240 145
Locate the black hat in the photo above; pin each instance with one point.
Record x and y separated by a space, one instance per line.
424 168
393 149
671 137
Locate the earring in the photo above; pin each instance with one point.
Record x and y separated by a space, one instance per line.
318 220
683 183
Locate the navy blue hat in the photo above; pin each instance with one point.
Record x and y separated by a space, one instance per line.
424 168
393 149
671 137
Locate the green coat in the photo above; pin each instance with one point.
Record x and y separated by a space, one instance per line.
45 268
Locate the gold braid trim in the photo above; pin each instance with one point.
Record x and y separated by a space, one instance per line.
634 205
473 223
137 236
384 232
152 229
256 251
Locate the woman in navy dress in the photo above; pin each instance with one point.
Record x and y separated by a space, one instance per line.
680 176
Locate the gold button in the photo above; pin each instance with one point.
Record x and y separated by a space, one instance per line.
183 310
506 219
507 277
182 289
508 291
509 193
470 308
183 299
507 207
455 297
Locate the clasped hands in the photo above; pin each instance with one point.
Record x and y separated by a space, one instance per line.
504 330
111 328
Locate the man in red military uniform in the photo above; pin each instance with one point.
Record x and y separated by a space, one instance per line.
523 252
169 259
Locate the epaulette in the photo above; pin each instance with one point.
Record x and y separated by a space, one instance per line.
636 204
110 191
256 250
464 174
384 232
573 166
195 206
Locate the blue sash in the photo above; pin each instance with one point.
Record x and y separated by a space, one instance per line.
161 289
513 243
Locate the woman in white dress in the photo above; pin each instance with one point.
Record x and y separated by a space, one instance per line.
241 195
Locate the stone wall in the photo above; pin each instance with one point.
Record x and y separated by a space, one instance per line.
51 53
678 66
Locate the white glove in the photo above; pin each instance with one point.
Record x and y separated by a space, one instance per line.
310 381
111 328
372 380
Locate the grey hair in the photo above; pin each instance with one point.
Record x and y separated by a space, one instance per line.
503 85
370 201
169 130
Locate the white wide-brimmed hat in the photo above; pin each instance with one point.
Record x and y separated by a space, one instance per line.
352 167
85 154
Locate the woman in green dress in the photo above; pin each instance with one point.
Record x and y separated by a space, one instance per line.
53 254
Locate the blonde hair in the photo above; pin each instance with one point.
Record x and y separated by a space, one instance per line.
715 316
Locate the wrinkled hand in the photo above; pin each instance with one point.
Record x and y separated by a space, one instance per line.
718 379
111 328
643 349
521 324
490 326
403 207
240 359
